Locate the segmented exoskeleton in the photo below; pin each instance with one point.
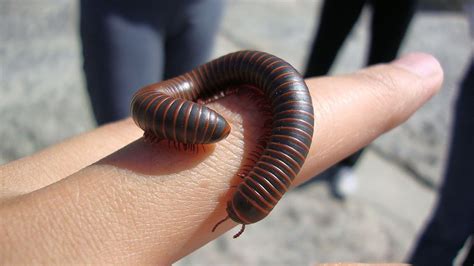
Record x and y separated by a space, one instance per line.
169 110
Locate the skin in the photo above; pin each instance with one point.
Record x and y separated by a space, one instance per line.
107 196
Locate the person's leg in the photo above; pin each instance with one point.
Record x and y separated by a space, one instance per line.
337 19
352 159
390 21
452 222
469 259
191 35
121 54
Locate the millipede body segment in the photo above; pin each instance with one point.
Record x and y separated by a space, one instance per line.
170 110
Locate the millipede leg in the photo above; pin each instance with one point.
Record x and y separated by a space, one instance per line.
219 223
242 229
150 138
241 175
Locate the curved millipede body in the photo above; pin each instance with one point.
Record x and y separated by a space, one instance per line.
169 110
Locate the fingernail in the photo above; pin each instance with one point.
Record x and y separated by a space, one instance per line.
423 65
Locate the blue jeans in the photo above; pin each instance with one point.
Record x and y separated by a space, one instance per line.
128 44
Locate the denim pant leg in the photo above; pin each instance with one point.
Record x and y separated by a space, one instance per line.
190 39
129 44
390 22
453 220
336 21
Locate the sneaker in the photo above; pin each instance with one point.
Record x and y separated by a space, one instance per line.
344 183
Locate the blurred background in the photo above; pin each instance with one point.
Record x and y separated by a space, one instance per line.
43 100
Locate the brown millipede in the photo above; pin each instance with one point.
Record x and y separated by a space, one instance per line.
169 110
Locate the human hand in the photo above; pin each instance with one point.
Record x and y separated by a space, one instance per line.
105 196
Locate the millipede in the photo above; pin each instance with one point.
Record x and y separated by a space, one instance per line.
174 110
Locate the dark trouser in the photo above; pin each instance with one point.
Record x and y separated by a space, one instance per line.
129 44
453 219
390 20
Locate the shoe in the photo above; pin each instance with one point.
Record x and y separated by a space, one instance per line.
344 183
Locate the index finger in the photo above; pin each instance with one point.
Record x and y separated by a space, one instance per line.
161 219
